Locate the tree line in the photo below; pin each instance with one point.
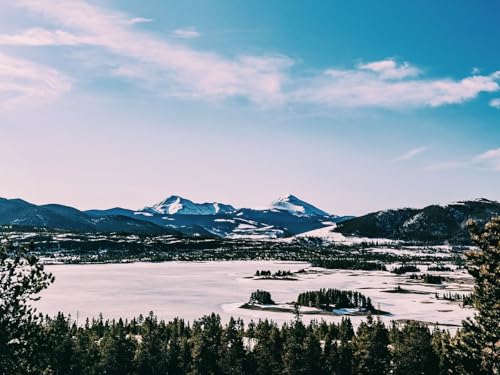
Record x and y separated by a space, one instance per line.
349 264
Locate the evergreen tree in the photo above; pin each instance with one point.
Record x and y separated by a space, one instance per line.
268 349
441 341
22 277
151 358
293 351
344 351
207 334
371 353
87 353
413 353
233 355
477 345
117 352
312 352
329 359
59 342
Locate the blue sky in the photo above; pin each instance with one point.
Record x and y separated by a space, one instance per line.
353 106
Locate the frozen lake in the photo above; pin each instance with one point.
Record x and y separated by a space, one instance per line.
192 289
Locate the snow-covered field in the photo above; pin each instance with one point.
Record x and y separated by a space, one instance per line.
191 289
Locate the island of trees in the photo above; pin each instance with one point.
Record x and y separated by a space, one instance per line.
465 299
405 268
261 297
328 299
280 274
428 278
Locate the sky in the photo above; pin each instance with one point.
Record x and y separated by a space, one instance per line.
352 106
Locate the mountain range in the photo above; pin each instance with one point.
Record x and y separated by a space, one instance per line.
284 217
287 216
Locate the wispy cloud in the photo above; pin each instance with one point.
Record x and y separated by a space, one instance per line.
136 20
385 84
43 37
23 81
186 33
490 158
495 103
487 160
410 154
174 68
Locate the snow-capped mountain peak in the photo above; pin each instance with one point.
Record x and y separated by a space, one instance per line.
296 206
176 205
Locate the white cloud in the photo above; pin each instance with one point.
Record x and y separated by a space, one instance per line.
489 160
174 68
389 69
495 103
136 20
186 33
44 37
23 81
412 153
387 85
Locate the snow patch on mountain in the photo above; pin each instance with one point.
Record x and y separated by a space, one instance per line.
175 205
328 234
296 206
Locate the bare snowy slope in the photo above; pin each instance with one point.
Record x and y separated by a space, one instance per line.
175 205
296 206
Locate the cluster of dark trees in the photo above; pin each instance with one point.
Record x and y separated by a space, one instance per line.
349 264
439 268
335 298
261 297
466 299
428 278
404 268
279 273
31 344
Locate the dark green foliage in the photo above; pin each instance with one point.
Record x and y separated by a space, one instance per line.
22 277
466 299
233 354
440 268
371 352
269 274
117 352
335 298
348 264
441 344
268 348
476 348
413 353
428 278
261 297
405 268
207 340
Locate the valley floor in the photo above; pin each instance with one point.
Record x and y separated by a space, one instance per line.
192 289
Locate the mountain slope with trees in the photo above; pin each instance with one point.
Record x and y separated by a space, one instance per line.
435 223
